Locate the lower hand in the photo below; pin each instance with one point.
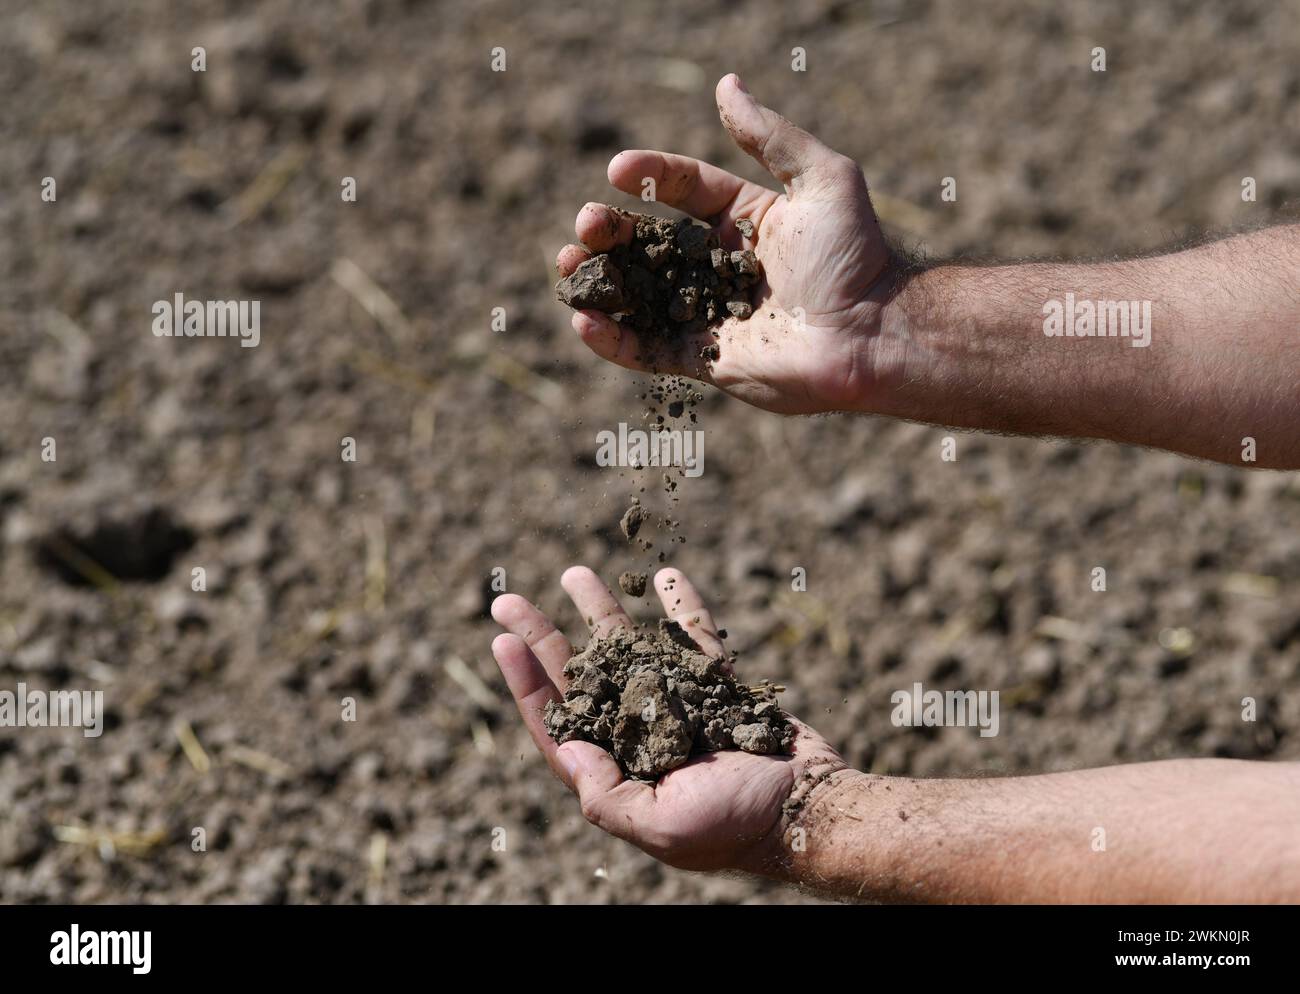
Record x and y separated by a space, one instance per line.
721 810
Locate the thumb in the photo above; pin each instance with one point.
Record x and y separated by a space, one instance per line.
788 152
589 770
621 807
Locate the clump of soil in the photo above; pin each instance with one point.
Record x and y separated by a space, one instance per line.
632 519
671 282
653 699
633 584
671 397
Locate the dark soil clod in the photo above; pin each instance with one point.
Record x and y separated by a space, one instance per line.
654 700
674 280
596 284
632 520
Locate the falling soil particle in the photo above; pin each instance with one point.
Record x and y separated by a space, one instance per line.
633 584
632 520
654 700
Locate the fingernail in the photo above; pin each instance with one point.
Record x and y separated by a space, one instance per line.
740 84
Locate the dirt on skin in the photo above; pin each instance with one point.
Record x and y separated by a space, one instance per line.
653 699
673 281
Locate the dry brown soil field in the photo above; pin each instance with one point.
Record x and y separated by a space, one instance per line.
372 579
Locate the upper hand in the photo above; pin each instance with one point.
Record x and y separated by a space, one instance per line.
813 342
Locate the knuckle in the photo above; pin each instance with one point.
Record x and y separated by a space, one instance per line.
590 809
842 169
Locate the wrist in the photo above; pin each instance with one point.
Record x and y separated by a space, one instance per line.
964 346
817 840
892 367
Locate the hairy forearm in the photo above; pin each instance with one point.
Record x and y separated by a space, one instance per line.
1175 831
966 346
